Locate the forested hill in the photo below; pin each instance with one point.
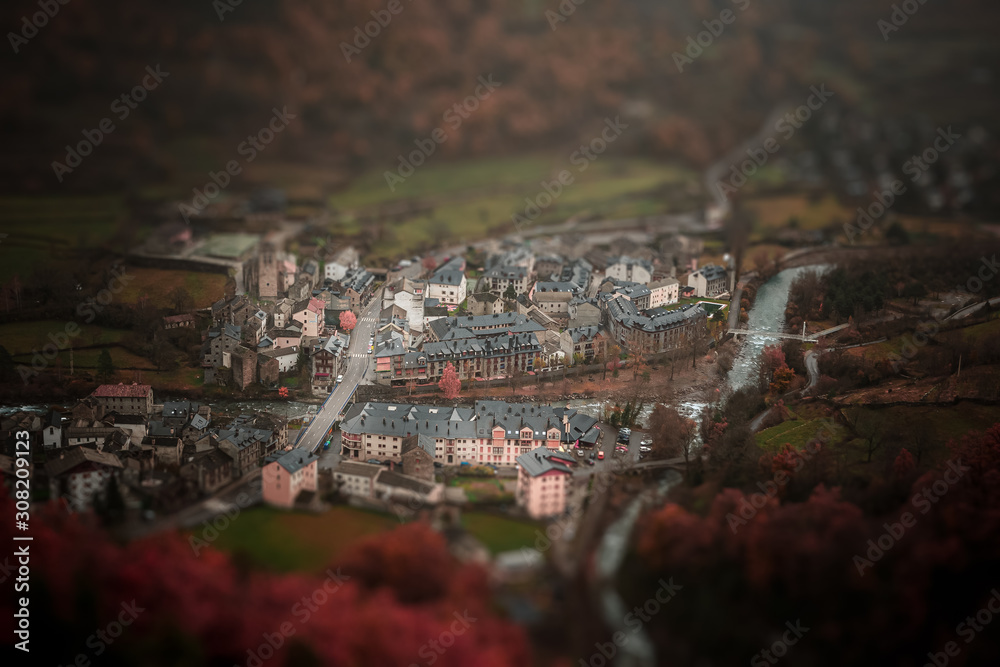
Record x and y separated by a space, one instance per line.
562 68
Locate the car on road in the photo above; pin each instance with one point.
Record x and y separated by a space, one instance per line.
590 462
340 378
600 456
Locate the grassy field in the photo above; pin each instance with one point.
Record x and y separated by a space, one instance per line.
291 541
465 200
42 229
774 213
21 338
157 284
499 534
796 432
478 489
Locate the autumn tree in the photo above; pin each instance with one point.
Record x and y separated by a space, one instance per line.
429 264
348 320
449 383
673 434
180 299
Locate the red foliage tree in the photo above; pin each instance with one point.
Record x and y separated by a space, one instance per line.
898 583
196 606
429 263
904 464
449 382
348 321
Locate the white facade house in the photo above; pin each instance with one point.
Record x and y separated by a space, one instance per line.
663 292
708 281
448 287
630 269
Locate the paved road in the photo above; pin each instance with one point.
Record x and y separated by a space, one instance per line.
360 370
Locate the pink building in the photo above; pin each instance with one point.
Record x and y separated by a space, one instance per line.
309 313
287 474
543 477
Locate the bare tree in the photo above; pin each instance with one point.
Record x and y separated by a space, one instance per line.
673 434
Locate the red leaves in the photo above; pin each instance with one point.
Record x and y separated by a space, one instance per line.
904 464
449 382
348 320
404 593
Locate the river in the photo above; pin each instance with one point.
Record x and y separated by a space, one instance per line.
767 314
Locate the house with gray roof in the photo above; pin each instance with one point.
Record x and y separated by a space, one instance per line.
543 477
710 280
490 433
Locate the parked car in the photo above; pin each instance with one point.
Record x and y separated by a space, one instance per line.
590 462
600 456
646 442
645 450
374 462
340 378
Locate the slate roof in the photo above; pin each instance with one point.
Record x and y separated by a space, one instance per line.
711 272
293 460
579 333
447 278
625 312
506 272
560 286
543 460
398 419
420 440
